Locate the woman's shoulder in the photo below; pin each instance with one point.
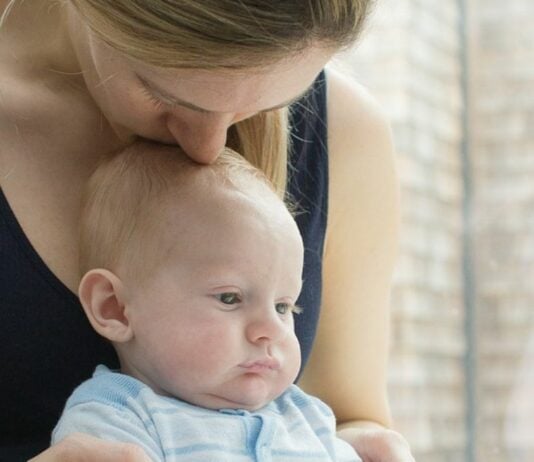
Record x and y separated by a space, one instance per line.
361 154
356 121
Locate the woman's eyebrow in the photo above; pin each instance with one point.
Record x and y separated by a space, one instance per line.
163 95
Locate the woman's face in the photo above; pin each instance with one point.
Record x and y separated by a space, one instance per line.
189 107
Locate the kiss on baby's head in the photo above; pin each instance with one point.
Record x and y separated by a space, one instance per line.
128 196
193 272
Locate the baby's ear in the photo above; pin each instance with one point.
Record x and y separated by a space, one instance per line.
102 296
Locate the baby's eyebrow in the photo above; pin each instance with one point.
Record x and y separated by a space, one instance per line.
162 94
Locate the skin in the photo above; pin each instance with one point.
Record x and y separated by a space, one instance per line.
234 289
51 128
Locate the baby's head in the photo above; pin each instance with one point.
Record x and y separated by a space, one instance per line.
193 272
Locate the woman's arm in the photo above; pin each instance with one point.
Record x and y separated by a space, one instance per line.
347 367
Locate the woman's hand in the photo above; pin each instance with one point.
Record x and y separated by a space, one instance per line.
378 444
84 448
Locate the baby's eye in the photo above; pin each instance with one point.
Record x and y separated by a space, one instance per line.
283 308
229 298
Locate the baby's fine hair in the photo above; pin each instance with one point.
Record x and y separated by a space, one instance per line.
126 197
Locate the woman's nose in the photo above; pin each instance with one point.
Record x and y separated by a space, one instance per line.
202 137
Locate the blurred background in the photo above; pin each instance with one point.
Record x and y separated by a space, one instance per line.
456 78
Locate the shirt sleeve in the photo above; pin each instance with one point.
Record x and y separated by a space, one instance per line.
109 423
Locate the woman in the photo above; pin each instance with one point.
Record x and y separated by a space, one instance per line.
81 78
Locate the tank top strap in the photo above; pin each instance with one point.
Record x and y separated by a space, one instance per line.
308 188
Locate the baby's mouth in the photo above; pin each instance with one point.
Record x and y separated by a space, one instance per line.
261 365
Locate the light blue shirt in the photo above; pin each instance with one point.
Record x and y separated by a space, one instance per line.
113 406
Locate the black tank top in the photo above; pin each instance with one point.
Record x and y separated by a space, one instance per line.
48 347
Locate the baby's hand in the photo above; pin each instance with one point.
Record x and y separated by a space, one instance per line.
84 448
378 445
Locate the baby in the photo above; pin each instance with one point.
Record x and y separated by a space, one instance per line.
192 272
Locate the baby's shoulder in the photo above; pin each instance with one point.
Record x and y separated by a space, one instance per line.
107 387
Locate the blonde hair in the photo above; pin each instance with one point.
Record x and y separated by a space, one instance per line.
229 34
123 212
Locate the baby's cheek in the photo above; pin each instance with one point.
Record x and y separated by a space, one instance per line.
292 351
214 347
184 368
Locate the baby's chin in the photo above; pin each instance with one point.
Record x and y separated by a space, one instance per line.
250 396
248 403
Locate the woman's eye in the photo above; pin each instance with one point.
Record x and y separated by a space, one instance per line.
154 99
229 298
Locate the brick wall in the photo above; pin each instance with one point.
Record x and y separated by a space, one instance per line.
409 58
502 141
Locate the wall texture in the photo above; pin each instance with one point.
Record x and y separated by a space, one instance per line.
502 145
410 57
